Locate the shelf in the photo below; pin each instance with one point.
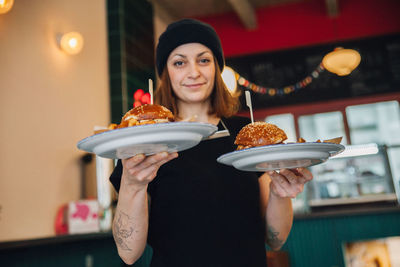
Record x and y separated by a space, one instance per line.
341 201
54 240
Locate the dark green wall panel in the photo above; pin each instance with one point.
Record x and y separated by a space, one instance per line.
100 252
318 241
131 51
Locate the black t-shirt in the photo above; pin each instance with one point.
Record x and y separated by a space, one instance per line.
204 213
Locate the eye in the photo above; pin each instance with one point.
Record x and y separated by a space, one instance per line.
179 63
205 60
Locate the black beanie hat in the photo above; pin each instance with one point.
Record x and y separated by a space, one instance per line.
183 32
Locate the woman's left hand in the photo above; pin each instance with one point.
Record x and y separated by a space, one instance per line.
289 182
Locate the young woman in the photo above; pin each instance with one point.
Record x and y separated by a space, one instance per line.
190 209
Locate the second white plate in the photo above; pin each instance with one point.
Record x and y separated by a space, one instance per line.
280 156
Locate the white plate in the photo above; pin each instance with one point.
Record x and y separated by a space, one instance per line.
147 139
280 156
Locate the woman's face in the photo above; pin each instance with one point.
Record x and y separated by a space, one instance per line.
192 71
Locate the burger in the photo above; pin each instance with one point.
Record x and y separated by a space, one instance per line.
146 114
259 134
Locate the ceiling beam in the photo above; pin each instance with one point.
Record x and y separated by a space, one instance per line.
332 8
246 13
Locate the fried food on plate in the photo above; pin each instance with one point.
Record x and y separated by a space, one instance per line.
336 140
98 130
301 140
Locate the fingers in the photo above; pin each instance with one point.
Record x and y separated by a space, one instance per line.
148 169
278 188
298 175
133 161
305 174
280 185
290 176
289 183
149 161
141 162
141 169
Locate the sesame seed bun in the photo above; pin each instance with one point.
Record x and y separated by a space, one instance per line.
146 114
259 134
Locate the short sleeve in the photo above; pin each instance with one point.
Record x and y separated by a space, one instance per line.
115 177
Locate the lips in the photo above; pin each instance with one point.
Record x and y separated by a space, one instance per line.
195 85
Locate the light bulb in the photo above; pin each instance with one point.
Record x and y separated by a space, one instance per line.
71 43
5 6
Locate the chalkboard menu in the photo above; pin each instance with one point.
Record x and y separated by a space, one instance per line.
378 72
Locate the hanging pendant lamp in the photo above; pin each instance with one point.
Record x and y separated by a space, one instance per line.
341 61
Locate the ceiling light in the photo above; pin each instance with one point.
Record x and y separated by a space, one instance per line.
71 43
5 6
341 61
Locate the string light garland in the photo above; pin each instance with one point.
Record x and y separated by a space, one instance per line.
341 62
284 90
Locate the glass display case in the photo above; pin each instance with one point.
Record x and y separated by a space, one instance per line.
369 168
360 174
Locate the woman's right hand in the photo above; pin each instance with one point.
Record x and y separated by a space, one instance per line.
130 225
139 170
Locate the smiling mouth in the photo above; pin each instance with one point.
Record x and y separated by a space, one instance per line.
194 85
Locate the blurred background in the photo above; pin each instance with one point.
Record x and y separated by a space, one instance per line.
52 97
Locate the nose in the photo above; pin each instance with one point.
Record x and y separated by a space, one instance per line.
194 70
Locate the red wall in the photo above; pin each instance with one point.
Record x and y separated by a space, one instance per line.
306 23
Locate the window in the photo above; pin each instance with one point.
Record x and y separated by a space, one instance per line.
286 123
374 123
322 126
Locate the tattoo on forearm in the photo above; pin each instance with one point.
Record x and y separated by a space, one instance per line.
272 238
123 229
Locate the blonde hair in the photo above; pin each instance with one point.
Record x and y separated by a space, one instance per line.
223 103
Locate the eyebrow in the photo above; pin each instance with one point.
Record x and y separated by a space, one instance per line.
198 55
